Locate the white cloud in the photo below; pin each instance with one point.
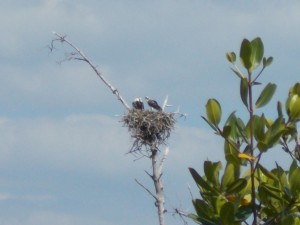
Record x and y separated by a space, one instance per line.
93 142
89 142
147 49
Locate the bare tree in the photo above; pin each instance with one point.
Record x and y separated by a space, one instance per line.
149 129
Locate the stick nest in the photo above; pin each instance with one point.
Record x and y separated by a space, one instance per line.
148 128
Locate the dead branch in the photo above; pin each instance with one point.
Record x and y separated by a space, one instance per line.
149 129
146 189
181 214
163 160
160 200
79 55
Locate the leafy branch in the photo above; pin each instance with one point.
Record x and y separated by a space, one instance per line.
266 196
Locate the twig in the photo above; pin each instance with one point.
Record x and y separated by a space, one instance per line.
189 187
146 189
181 214
165 103
151 176
79 55
167 150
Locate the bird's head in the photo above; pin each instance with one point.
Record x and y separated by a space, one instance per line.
137 100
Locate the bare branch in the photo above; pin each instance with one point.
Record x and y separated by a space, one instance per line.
146 189
167 150
151 176
165 103
160 200
181 214
79 55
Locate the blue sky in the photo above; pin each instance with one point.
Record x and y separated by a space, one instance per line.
62 147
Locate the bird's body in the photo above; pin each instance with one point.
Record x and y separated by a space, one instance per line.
138 104
153 104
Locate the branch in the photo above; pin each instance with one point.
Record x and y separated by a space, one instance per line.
165 103
181 214
160 201
146 189
79 55
163 160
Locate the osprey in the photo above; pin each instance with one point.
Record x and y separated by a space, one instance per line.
138 104
153 104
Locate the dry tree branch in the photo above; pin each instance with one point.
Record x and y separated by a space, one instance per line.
159 190
146 189
79 55
148 128
163 160
182 215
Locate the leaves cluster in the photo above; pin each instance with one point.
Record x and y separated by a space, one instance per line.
267 196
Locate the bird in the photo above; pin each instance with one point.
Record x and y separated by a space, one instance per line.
153 104
138 104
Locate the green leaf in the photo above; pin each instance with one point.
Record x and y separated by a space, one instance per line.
271 191
231 127
231 154
292 104
202 183
266 95
262 146
267 173
242 130
201 220
237 186
202 208
293 167
245 54
212 171
213 111
259 127
255 83
295 182
292 220
295 90
226 131
257 52
268 61
231 173
220 201
275 132
243 213
244 86
227 214
231 57
293 108
238 73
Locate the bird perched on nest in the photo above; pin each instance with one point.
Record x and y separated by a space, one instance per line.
138 104
153 104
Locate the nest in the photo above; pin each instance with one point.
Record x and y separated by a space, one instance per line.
149 129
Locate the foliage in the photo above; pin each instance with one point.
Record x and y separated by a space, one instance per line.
247 190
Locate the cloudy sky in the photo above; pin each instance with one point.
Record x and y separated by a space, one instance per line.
62 148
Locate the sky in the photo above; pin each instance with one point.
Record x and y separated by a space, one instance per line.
62 147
